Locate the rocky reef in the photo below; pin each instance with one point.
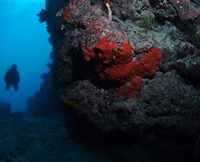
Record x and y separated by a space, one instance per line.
45 102
5 109
137 74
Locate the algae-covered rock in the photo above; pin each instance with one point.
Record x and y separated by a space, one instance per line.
166 103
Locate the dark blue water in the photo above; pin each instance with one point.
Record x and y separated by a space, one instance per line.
23 41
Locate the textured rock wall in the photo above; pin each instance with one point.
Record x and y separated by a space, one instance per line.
45 102
167 105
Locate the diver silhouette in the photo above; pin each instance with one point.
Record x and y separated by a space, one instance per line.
12 78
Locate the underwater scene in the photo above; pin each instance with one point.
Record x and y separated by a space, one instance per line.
100 81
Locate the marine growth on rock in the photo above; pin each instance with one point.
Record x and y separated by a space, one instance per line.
117 63
106 43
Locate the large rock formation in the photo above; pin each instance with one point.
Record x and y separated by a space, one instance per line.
45 102
5 109
137 74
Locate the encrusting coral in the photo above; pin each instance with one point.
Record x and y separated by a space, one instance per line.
115 63
106 43
166 111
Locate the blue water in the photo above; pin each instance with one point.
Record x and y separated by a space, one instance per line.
23 41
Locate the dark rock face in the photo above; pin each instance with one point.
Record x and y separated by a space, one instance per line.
5 109
45 102
167 106
193 32
180 12
197 150
196 1
189 67
166 99
174 9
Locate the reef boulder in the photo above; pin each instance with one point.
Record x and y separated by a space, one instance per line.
136 74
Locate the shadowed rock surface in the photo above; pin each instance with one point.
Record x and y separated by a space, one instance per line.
166 110
45 102
5 109
45 139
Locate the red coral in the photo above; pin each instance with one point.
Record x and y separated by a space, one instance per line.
122 73
150 62
124 54
74 1
67 14
115 63
108 52
131 88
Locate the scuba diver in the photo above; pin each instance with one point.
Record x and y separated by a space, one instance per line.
12 78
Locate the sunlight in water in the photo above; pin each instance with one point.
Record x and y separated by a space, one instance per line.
24 41
21 1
